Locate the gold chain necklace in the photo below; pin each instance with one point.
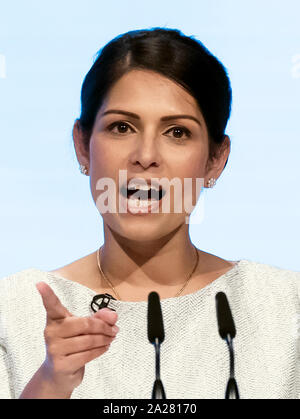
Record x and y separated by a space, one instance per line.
112 287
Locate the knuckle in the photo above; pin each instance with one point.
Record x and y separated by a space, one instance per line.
104 327
52 349
110 332
113 329
47 334
86 324
90 341
94 353
105 348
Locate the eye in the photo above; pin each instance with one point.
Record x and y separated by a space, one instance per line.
121 127
178 132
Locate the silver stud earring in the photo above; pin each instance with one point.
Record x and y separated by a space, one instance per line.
83 169
211 182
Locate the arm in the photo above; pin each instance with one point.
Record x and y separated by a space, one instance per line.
41 388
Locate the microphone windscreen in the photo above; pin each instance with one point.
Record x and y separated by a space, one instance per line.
155 319
224 316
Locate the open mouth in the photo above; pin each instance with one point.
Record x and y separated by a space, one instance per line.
142 192
142 199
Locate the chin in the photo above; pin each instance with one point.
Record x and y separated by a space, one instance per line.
142 229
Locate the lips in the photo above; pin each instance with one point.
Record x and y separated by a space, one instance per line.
143 189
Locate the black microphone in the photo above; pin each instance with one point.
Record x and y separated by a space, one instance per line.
227 332
156 336
225 319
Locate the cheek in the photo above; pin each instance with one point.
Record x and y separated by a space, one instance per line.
103 157
191 161
192 167
192 174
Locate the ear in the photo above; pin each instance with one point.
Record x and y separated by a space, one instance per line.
81 152
216 166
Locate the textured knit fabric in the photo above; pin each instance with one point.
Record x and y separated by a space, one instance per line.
264 301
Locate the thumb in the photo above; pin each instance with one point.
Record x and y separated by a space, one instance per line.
54 308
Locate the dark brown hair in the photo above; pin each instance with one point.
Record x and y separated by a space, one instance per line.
180 58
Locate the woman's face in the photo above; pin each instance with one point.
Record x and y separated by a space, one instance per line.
147 146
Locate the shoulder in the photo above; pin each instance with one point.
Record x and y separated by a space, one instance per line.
18 289
21 307
267 278
19 293
21 300
21 282
269 270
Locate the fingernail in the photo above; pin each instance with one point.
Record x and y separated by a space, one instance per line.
115 329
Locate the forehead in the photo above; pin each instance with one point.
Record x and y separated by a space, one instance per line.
146 90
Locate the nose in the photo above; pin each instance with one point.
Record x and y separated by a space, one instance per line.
145 152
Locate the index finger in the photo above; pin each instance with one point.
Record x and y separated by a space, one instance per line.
54 308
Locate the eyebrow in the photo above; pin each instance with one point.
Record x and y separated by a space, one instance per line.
164 118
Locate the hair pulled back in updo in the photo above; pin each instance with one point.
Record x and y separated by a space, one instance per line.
180 58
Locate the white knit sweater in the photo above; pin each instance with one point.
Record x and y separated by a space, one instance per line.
264 301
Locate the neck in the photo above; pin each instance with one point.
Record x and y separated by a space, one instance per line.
133 265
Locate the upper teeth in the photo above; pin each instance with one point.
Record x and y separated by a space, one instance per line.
143 187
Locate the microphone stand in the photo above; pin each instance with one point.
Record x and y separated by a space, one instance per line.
156 336
232 391
158 391
227 332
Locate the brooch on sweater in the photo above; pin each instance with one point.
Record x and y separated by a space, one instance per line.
100 301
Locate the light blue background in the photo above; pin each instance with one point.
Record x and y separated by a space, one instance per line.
48 217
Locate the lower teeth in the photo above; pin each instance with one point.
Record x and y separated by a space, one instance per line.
142 205
141 202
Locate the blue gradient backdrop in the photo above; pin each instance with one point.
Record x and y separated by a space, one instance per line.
47 215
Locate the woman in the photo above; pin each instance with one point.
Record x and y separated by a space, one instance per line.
155 104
